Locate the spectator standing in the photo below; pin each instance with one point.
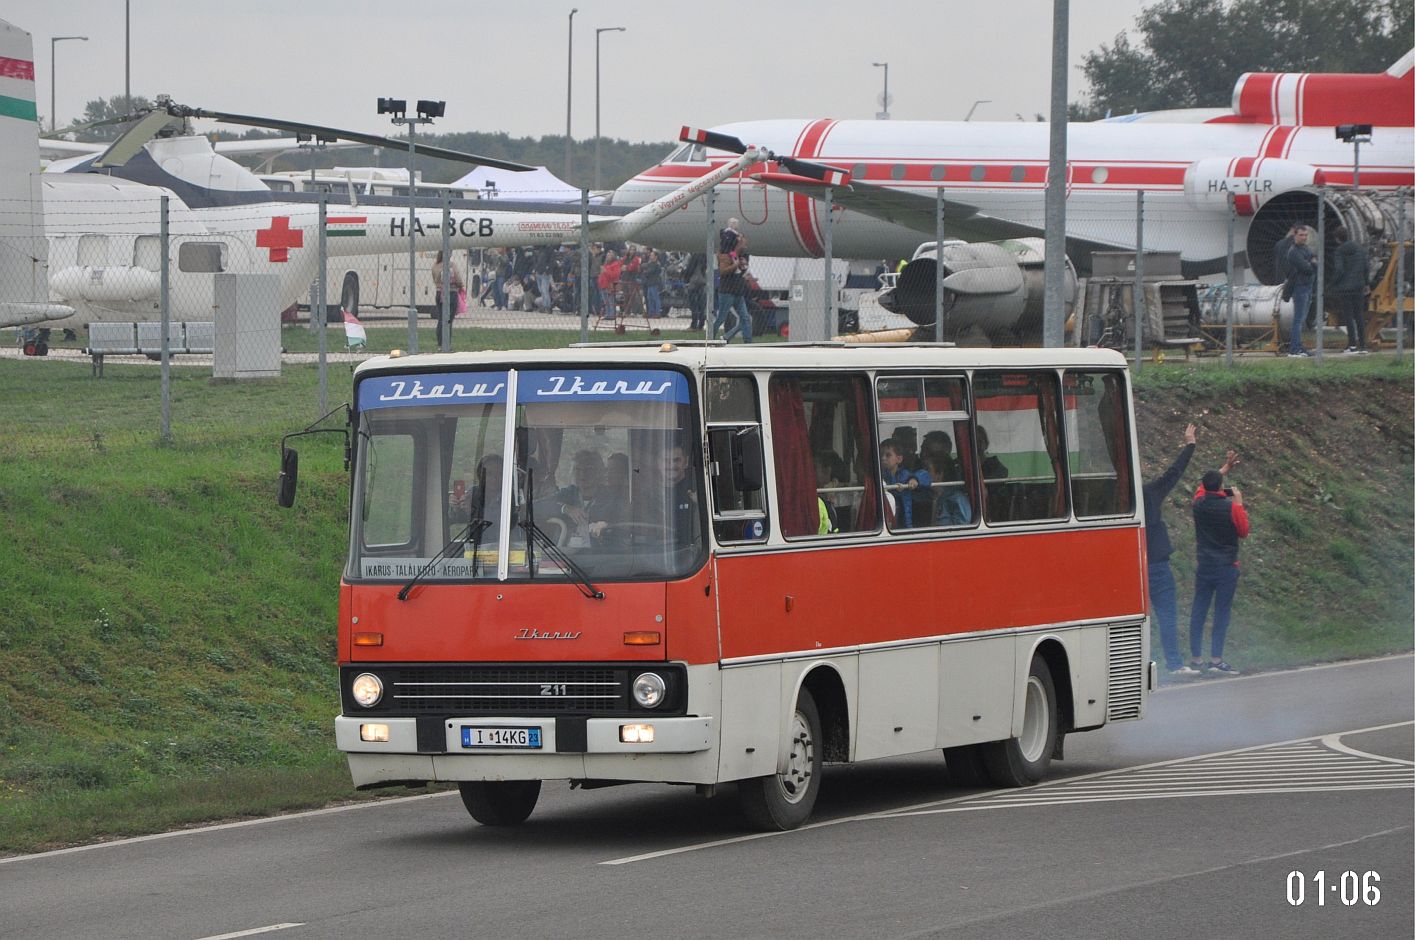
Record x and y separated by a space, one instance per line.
651 271
1219 522
732 285
1350 273
1157 550
695 276
455 289
609 273
1302 272
542 267
1280 251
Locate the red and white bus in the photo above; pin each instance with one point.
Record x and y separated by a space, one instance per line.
701 575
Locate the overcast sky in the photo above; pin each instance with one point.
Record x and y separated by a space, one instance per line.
502 66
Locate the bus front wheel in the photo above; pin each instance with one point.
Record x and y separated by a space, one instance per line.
1023 760
778 802
500 803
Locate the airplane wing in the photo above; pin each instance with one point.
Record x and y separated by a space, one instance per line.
915 210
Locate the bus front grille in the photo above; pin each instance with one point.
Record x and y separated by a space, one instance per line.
503 690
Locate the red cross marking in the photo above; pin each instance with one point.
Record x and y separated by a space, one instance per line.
280 238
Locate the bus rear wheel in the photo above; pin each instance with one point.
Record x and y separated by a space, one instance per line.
500 803
778 802
1024 760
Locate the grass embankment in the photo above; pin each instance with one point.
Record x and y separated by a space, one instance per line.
168 632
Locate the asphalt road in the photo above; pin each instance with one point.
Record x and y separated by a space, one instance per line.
1187 824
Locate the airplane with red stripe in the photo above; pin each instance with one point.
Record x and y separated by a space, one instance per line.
1267 150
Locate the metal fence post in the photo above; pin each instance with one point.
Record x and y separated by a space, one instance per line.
710 270
321 308
939 272
1400 277
446 310
1228 319
164 236
585 285
1139 300
1318 301
831 323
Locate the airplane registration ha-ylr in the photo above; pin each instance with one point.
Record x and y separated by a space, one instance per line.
1266 150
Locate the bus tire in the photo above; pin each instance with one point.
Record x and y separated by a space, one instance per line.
349 294
778 802
1023 760
966 767
500 803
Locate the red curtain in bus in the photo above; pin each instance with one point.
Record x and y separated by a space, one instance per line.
1046 410
795 471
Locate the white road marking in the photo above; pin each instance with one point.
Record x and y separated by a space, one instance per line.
220 826
1380 779
252 932
1334 741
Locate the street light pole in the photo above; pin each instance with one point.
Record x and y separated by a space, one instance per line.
884 99
975 107
53 41
597 32
427 110
569 73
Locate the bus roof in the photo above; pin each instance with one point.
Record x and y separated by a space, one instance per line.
792 356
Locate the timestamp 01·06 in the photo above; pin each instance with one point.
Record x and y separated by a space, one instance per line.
1348 886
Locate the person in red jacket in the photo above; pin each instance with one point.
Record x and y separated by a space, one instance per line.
608 282
1220 521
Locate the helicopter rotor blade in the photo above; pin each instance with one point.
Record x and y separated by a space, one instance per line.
829 175
126 147
334 133
712 139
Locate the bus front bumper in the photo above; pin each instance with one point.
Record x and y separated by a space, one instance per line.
678 749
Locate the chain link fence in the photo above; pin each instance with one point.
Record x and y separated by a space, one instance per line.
240 290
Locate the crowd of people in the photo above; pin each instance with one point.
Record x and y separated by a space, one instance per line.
1347 281
625 280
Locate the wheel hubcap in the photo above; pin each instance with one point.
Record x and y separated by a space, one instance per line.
1035 719
800 764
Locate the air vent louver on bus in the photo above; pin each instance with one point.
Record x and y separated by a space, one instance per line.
1125 680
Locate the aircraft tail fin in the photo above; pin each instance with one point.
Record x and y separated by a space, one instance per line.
24 252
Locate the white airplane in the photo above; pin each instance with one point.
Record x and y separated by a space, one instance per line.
1271 150
89 225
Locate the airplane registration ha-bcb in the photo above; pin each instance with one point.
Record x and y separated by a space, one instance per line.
81 241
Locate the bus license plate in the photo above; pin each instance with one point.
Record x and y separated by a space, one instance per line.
475 736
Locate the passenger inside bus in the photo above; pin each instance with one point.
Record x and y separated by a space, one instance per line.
903 484
483 500
588 504
951 505
678 513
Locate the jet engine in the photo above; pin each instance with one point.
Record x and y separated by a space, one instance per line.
994 286
1369 217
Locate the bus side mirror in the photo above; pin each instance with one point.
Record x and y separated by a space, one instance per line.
747 460
289 476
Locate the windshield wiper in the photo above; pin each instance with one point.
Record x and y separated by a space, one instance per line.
472 533
553 552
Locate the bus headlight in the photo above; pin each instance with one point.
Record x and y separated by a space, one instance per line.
648 689
367 689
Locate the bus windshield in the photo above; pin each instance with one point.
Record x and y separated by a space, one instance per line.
599 465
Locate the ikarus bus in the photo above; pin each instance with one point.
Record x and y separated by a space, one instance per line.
708 565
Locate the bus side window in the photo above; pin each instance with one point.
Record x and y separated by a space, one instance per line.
1019 445
1098 444
739 508
822 424
927 420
